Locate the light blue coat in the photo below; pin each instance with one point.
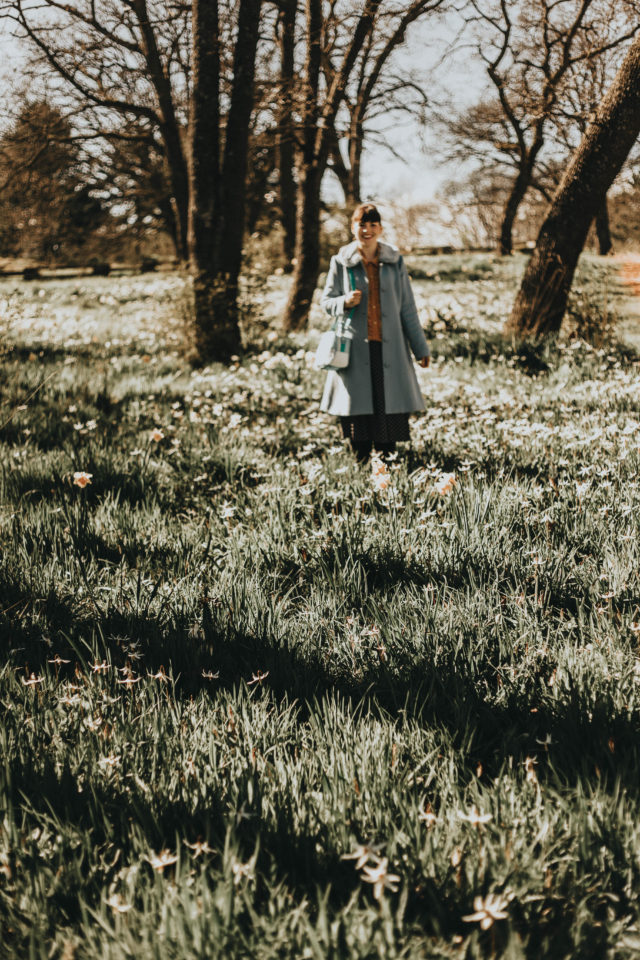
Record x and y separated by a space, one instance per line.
348 392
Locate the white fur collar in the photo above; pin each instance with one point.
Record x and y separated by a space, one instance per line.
350 255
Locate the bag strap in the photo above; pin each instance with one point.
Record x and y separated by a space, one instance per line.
351 285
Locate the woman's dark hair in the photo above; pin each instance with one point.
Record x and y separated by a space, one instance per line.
366 213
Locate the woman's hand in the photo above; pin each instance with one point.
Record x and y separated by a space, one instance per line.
353 298
424 361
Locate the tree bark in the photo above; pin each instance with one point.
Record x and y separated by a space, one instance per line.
603 229
356 142
236 150
338 166
520 186
305 276
285 137
541 303
204 133
307 251
218 192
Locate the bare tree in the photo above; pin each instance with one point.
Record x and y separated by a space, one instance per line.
347 46
49 208
319 111
218 177
375 90
286 134
129 72
531 53
541 302
113 63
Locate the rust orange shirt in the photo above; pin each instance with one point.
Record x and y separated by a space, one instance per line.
374 315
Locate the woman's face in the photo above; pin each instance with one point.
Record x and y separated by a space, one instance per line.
365 232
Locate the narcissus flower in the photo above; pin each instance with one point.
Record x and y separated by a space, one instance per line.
200 846
32 681
381 878
81 479
156 435
362 854
257 677
445 483
475 818
487 911
163 859
118 904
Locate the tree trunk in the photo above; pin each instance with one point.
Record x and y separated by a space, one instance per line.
310 172
204 209
285 137
317 131
169 128
338 166
236 150
541 302
520 186
218 196
307 267
603 229
356 140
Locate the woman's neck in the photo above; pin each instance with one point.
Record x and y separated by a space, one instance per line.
369 250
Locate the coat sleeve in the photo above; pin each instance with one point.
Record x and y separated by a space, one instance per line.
334 293
409 316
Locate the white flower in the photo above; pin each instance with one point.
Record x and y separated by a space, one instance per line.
380 878
116 903
362 854
81 479
475 818
163 859
445 483
487 911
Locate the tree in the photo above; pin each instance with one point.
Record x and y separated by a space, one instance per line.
179 78
541 301
375 91
531 53
285 136
111 64
47 208
218 176
340 44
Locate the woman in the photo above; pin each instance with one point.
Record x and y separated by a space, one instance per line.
375 394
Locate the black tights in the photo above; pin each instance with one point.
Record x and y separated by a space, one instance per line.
362 449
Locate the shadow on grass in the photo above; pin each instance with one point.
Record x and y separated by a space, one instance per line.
490 728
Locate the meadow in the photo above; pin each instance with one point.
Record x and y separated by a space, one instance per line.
259 701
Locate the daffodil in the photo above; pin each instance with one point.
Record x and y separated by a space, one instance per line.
82 479
362 854
488 910
381 879
116 903
445 483
257 677
163 859
475 818
32 681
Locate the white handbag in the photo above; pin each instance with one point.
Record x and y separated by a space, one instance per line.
334 348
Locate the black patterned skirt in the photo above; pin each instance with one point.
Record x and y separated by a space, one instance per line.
376 427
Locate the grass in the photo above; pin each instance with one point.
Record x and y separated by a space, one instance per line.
254 706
